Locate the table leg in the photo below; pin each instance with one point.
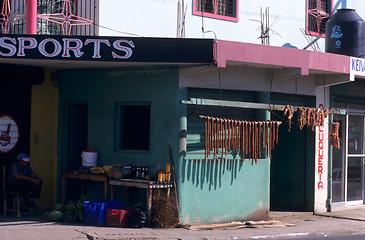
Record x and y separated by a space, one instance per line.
105 190
112 192
149 206
63 190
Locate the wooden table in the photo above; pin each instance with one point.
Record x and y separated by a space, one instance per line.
84 177
139 183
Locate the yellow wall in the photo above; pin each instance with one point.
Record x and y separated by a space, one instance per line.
43 137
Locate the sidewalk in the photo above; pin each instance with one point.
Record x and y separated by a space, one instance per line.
339 222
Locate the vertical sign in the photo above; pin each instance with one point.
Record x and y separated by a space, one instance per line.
321 167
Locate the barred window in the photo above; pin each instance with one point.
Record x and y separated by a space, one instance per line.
17 16
318 13
221 9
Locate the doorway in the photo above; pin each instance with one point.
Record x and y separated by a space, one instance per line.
288 170
77 134
348 161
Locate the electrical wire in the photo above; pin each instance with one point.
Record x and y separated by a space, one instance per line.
133 34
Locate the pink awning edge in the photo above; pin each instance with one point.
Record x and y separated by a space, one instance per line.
281 57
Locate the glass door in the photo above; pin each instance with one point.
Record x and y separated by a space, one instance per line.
348 161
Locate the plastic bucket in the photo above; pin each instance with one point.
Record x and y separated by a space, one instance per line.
89 159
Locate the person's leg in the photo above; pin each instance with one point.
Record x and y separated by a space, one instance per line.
35 190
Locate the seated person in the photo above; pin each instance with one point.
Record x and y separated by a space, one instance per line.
22 179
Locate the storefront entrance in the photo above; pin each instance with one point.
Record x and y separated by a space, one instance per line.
348 161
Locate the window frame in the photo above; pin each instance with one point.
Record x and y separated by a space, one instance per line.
314 33
118 135
216 16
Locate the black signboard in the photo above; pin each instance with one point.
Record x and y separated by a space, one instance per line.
116 49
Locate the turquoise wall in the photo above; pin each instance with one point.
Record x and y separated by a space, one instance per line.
219 190
101 89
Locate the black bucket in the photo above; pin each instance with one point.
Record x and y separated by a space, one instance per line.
345 34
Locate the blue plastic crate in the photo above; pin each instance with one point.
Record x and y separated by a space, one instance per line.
95 211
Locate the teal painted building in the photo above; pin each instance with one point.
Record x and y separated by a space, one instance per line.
131 111
222 185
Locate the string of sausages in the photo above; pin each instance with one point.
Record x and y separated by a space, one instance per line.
244 138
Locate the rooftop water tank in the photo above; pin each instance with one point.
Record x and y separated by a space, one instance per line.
345 34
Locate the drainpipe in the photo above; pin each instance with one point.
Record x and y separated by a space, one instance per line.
31 17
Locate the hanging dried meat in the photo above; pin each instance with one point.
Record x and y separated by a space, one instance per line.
311 117
289 111
334 136
243 138
302 117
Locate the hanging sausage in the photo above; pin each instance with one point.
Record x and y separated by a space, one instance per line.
242 138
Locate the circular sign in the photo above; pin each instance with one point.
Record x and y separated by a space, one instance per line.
9 134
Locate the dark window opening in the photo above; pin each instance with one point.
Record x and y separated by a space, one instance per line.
135 127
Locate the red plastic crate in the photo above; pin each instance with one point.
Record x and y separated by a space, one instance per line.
117 217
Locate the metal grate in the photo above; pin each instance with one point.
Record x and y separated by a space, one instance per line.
325 6
81 8
218 7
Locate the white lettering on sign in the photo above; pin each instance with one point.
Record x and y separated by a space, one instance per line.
97 45
21 46
42 47
357 67
9 134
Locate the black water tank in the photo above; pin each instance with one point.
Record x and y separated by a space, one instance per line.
345 33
